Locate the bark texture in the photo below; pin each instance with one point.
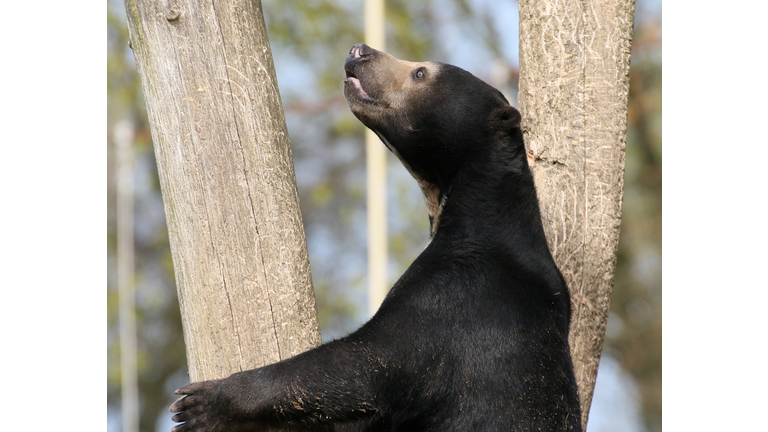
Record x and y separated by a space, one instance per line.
228 183
574 83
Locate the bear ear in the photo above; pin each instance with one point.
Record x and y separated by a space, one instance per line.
505 119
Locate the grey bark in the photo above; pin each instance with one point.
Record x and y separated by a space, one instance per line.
228 183
574 82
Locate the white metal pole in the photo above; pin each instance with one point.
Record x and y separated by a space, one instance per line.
126 277
376 164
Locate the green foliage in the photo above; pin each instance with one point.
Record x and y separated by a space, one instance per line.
634 329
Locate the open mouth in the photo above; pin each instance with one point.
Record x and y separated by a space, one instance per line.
353 80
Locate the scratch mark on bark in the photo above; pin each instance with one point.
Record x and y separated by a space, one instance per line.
248 186
235 329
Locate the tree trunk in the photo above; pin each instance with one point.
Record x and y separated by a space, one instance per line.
228 183
574 82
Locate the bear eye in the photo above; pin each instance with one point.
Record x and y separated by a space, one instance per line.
419 74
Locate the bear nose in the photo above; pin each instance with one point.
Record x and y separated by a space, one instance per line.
361 50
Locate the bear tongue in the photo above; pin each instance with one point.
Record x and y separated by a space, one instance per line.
356 83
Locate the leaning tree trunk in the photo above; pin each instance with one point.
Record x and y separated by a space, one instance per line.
574 82
228 183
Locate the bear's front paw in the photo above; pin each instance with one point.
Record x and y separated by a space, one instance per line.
201 409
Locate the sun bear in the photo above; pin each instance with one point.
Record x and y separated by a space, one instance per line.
474 335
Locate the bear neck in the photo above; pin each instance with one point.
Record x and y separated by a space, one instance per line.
490 205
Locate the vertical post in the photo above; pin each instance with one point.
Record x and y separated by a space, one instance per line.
129 381
376 168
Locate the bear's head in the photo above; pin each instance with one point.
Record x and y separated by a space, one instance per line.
435 117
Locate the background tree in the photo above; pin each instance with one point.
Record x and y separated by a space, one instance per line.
226 171
310 41
573 99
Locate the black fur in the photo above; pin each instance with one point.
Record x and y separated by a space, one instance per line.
474 335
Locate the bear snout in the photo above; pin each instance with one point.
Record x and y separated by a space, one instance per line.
361 50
